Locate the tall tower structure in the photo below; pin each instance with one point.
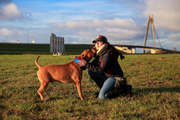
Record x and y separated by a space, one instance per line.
150 21
57 45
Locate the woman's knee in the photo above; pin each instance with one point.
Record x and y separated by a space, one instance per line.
107 86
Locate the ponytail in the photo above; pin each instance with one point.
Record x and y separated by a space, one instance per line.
115 51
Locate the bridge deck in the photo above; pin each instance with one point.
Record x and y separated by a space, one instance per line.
136 46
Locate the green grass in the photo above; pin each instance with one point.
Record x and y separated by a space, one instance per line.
155 80
19 49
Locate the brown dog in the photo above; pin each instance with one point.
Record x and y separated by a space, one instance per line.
68 73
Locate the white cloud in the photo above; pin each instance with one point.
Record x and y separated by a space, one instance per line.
10 12
6 32
166 13
116 22
174 37
115 28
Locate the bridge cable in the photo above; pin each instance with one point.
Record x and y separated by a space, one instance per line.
157 37
140 36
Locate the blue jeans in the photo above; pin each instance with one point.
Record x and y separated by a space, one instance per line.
108 84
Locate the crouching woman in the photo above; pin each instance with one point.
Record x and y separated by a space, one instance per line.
104 68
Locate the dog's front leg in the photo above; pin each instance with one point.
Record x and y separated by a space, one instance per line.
78 84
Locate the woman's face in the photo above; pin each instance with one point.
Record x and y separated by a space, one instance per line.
98 44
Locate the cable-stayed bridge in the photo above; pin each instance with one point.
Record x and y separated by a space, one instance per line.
132 48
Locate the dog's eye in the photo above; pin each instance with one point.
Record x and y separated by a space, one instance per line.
83 56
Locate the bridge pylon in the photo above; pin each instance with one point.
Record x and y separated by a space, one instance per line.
150 21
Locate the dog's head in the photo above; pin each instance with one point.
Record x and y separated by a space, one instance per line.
87 55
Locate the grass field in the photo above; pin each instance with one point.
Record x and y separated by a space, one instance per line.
155 80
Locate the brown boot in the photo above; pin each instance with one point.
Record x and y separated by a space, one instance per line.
129 90
114 93
124 91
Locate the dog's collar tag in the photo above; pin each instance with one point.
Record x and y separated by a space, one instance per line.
76 60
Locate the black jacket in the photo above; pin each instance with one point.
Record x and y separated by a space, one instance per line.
106 62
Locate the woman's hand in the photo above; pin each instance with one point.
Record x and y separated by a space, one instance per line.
82 63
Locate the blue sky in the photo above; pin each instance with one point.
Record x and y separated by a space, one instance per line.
81 21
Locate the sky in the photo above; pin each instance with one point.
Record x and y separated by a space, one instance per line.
81 21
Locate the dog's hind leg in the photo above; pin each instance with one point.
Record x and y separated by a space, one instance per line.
44 80
44 83
41 89
78 84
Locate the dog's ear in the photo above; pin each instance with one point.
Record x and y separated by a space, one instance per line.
93 50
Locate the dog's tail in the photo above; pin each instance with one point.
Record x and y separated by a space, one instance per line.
37 63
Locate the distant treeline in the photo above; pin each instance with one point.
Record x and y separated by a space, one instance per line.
18 48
